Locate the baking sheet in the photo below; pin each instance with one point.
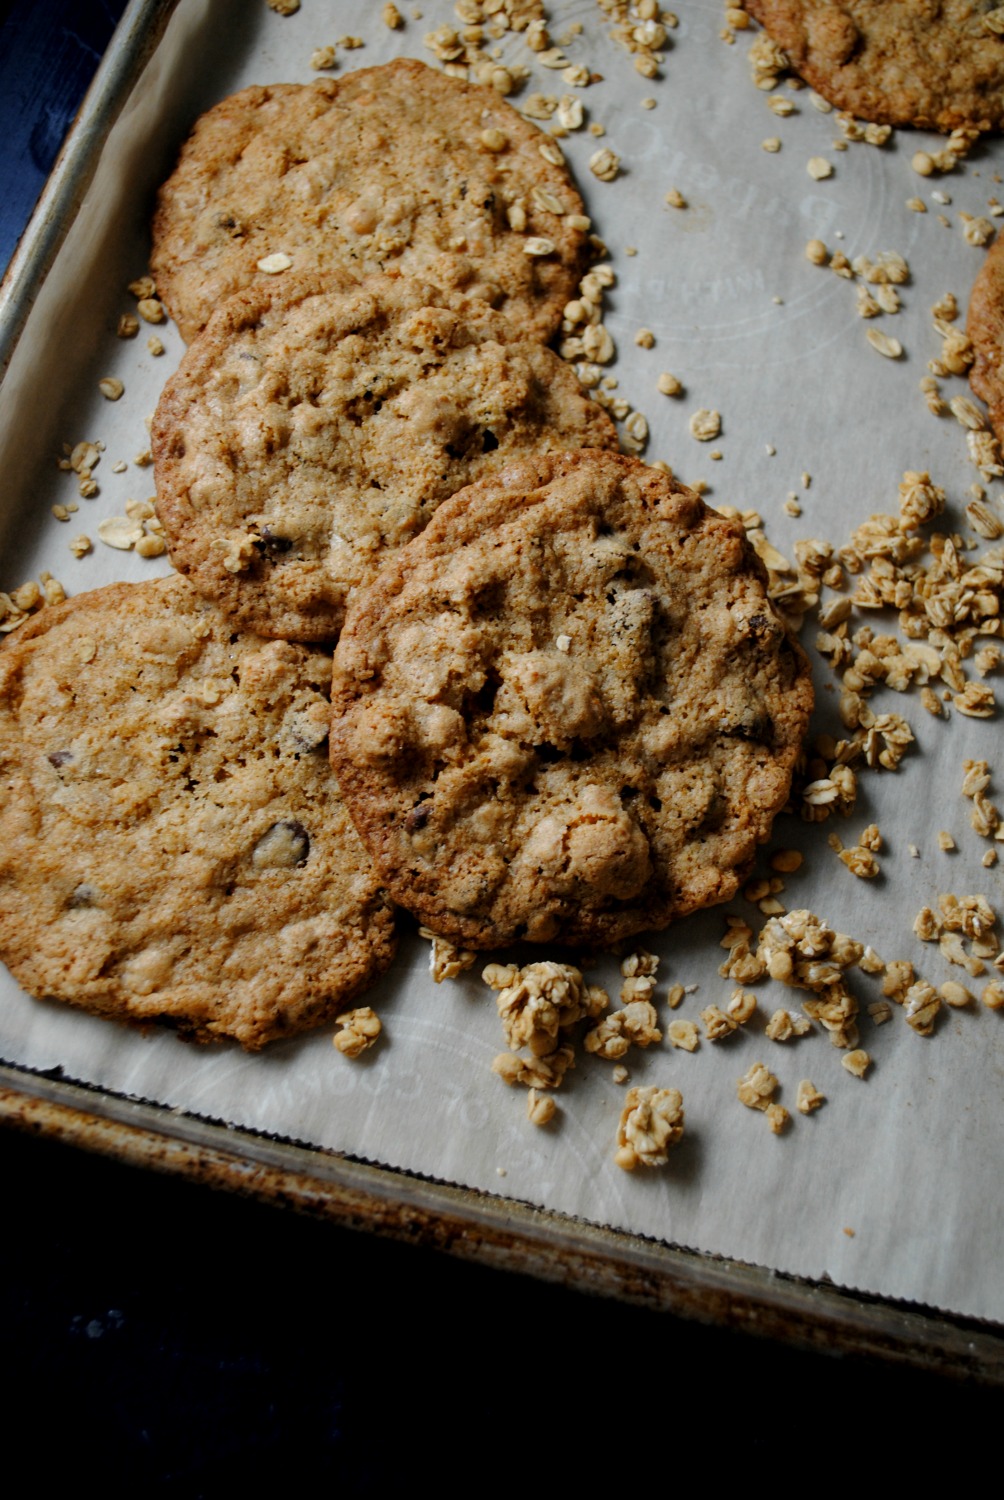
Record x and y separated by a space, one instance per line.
892 1187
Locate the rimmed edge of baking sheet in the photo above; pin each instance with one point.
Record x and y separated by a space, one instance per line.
137 34
499 1232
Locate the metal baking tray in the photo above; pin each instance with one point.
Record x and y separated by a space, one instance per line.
474 1225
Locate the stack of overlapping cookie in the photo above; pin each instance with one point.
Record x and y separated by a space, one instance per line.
563 707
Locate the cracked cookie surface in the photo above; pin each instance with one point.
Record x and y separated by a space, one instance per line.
985 328
935 64
316 423
172 842
567 711
386 168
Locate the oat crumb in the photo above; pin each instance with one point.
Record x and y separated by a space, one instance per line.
756 1086
540 1108
808 1097
684 1034
651 1122
360 1030
705 425
445 960
857 1062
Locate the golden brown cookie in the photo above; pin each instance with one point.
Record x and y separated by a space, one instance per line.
985 327
567 711
396 167
172 842
316 423
936 64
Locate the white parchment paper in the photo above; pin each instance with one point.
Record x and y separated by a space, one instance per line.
893 1187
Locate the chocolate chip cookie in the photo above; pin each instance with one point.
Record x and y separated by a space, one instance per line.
936 64
316 423
567 711
985 327
173 846
395 167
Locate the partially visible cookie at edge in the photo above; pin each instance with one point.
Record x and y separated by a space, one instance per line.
316 423
567 711
393 167
937 67
172 842
985 328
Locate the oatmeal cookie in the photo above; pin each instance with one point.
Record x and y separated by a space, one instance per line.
567 711
985 327
172 842
395 167
316 423
936 64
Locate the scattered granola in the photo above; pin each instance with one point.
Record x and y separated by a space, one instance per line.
717 1025
446 960
360 1030
742 1007
782 1026
684 1034
756 1086
605 164
808 1098
540 1108
705 425
537 1003
535 1072
651 1121
636 1024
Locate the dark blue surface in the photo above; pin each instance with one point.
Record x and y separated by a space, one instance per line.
49 50
162 1339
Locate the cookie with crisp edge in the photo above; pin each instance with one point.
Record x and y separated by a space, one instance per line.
895 63
985 328
567 712
316 423
173 847
386 168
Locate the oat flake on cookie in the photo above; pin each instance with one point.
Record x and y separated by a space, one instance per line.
384 168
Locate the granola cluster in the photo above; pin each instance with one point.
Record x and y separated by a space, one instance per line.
650 1123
